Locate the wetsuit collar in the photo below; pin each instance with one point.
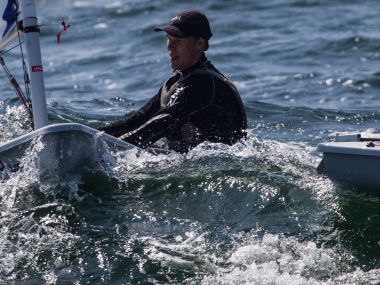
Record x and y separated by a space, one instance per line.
201 61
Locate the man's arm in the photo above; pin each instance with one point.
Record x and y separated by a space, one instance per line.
125 125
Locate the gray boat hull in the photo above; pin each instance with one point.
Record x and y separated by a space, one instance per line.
355 165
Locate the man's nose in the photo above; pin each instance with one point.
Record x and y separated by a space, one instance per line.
170 45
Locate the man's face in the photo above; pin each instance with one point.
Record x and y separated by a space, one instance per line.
183 52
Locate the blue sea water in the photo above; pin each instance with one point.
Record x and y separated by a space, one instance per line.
253 213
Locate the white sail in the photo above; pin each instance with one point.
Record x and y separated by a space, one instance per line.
8 22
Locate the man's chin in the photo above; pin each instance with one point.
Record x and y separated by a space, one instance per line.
174 67
175 64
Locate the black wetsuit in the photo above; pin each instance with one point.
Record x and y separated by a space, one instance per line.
192 106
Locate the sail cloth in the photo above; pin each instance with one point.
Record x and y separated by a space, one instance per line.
8 22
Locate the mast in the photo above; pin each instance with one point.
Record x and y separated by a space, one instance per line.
31 30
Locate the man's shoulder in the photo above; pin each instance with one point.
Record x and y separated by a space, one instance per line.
204 72
211 75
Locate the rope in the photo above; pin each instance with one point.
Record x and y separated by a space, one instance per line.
26 75
17 89
25 100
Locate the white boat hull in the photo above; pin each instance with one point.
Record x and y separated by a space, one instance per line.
355 165
63 149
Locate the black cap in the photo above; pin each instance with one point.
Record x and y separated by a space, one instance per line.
187 23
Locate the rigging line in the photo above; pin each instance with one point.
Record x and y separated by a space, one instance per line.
25 101
26 75
17 89
8 50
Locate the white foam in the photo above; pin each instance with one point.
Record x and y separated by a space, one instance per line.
275 259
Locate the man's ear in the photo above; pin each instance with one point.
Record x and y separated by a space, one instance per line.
201 44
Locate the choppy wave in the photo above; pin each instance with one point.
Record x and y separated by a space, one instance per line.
252 212
249 213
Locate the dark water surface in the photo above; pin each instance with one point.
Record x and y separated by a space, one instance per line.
253 213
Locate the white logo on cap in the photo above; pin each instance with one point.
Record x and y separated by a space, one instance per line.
176 18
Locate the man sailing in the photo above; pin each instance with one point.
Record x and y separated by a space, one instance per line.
196 104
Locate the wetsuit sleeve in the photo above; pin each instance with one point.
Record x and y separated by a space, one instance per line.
189 98
128 124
